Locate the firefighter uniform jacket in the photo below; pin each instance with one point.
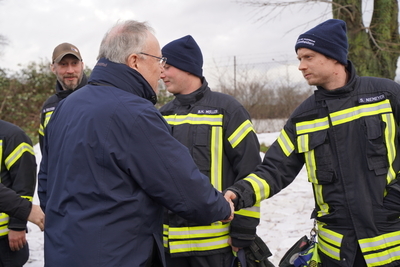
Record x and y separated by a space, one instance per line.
109 167
219 134
348 140
50 105
17 170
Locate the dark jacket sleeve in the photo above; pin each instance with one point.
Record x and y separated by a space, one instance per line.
279 168
22 169
243 151
13 204
168 172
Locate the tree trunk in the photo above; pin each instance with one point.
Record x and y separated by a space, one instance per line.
374 50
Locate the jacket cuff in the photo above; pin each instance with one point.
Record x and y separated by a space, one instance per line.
245 196
240 243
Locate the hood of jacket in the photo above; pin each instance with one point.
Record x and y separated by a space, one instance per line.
108 73
83 82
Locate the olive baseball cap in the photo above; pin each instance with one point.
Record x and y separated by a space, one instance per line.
64 49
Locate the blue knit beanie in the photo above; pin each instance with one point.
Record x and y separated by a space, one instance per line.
184 54
328 38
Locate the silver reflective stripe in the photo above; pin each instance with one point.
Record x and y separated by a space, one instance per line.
240 133
328 249
383 258
335 240
189 247
354 113
260 185
312 126
194 119
17 154
285 143
216 157
253 209
3 218
179 233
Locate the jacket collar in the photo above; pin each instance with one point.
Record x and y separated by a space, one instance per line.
192 98
123 77
347 89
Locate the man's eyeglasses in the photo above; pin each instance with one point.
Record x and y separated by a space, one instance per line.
162 60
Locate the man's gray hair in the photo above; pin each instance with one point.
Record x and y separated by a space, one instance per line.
123 39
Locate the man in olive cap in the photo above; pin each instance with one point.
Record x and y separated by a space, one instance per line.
68 67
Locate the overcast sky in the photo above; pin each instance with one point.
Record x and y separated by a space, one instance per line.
224 29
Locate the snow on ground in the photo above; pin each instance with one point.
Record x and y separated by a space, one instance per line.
284 218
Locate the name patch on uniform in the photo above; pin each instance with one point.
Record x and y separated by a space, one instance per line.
372 99
207 111
48 109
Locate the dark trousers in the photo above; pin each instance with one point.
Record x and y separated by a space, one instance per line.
10 258
217 260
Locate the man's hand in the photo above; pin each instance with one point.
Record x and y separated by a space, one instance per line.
236 249
230 195
232 211
16 239
37 216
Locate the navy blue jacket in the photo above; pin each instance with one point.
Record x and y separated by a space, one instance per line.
114 165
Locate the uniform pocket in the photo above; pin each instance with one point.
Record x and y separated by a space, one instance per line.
318 156
201 148
375 148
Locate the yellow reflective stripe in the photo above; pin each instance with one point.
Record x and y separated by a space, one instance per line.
240 133
4 219
311 166
260 187
390 134
28 198
198 231
165 241
303 143
380 242
165 235
17 154
330 236
47 119
385 249
312 126
323 206
199 245
383 258
355 113
329 250
215 120
216 157
4 230
253 212
312 177
285 143
41 130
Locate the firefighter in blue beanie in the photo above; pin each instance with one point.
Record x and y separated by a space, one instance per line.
347 136
219 134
